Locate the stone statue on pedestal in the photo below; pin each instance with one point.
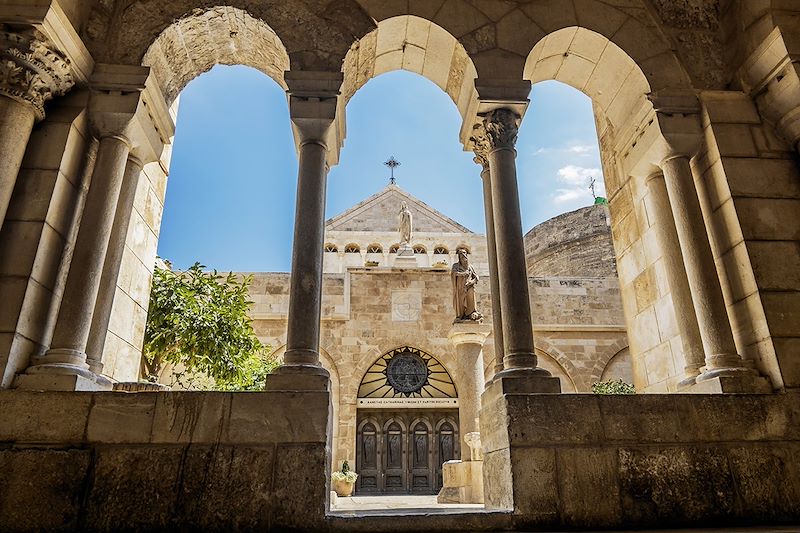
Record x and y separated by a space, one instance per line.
464 279
405 224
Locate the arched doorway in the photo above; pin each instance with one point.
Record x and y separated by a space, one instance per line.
407 424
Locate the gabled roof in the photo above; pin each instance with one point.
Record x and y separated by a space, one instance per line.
380 212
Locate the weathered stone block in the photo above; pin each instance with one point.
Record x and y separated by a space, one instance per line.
31 417
588 487
137 487
199 417
301 465
677 485
121 418
41 490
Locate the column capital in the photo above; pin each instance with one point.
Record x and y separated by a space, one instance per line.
495 130
679 122
315 108
469 333
32 71
115 96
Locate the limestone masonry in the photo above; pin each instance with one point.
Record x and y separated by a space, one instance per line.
694 296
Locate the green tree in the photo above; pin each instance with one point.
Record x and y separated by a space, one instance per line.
198 322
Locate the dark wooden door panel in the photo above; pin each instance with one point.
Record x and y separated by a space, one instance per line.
401 452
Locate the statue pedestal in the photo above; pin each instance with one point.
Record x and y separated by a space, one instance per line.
405 257
463 480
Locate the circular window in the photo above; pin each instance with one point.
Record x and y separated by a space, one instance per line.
407 372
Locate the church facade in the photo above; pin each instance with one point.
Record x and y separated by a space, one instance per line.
379 308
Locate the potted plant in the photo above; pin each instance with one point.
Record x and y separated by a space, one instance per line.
344 480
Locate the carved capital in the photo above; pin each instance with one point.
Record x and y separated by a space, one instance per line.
501 127
480 146
31 70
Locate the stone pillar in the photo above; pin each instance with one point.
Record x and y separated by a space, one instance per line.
468 339
481 157
497 135
676 277
64 366
111 266
31 73
312 107
722 363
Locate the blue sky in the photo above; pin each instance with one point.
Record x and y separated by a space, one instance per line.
231 192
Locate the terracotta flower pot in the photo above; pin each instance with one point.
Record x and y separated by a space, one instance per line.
343 488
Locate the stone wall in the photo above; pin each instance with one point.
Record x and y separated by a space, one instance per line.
158 461
123 349
240 461
586 461
575 244
578 325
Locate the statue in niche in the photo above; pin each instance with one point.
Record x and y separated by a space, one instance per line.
405 224
464 279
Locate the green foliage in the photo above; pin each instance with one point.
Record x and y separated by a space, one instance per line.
613 387
198 322
345 474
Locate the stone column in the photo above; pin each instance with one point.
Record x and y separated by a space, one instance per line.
481 158
500 135
468 340
111 266
721 358
31 73
676 277
64 366
312 108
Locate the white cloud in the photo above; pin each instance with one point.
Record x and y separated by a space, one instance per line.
574 149
574 181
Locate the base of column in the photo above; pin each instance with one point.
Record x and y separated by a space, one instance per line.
525 381
61 369
298 378
462 482
58 382
743 383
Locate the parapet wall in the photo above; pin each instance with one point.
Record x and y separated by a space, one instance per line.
162 461
257 461
587 461
573 245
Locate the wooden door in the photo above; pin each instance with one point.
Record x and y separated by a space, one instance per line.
421 459
368 464
446 447
394 459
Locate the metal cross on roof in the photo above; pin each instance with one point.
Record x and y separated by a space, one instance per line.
392 163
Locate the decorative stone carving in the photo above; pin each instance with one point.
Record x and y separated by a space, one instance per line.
31 71
501 127
480 145
464 279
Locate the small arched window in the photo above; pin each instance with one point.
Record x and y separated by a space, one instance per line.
393 249
374 249
440 250
419 249
352 249
331 248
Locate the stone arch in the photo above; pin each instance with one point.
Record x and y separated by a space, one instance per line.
619 367
551 364
412 43
594 65
223 35
445 386
315 38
